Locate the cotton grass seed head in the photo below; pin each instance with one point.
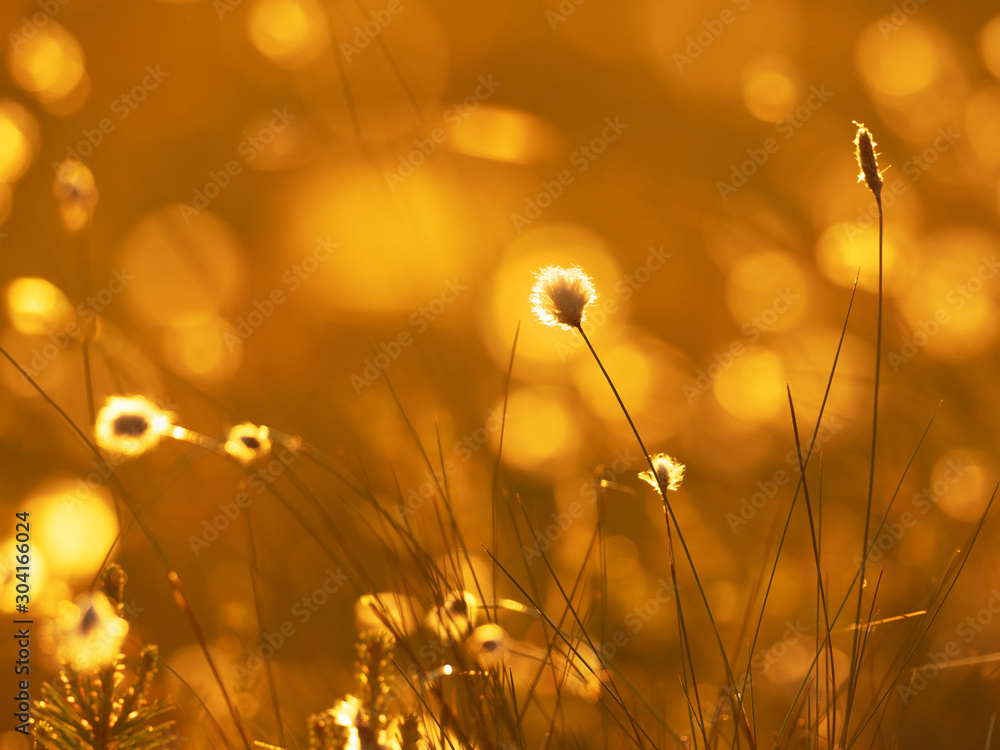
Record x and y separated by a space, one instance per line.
867 159
669 473
561 296
131 425
248 442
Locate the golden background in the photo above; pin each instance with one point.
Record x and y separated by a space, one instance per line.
294 192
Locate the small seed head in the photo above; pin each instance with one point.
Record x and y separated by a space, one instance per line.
131 425
867 160
669 473
248 442
561 296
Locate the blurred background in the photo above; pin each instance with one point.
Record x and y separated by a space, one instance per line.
283 196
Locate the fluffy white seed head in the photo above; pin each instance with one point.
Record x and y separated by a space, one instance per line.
669 473
561 296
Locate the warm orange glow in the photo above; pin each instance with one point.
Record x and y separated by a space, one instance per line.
291 33
960 484
633 375
274 263
989 45
76 525
844 249
541 428
50 65
498 133
906 62
752 387
770 88
951 307
171 279
767 291
18 138
982 123
915 72
37 307
687 41
418 234
203 346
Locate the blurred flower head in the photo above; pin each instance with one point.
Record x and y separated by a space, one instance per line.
489 645
131 425
453 620
76 192
247 442
669 473
561 296
89 633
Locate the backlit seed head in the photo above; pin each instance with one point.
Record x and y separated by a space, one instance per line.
669 473
561 296
131 425
453 620
89 634
248 442
867 159
489 645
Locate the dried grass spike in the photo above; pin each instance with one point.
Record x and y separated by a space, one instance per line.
867 160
